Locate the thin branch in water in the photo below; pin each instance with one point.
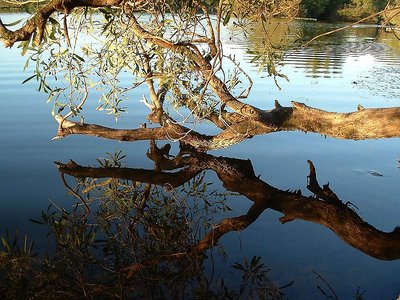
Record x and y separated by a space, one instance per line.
334 295
346 27
87 208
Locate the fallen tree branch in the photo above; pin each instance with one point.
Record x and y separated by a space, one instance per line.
246 120
170 131
366 123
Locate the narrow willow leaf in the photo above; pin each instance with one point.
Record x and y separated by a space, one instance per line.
25 46
53 21
5 243
36 221
13 23
29 78
229 13
79 57
228 17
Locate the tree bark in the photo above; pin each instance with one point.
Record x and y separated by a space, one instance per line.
372 123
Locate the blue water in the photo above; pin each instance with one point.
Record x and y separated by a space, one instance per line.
29 180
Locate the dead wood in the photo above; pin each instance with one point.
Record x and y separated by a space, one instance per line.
369 123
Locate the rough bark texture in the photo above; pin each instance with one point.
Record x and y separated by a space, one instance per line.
369 123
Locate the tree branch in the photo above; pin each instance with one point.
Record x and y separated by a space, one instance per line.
204 67
369 123
37 23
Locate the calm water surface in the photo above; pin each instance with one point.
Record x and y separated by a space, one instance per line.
341 71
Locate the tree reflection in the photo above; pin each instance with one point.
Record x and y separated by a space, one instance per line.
238 176
325 57
147 233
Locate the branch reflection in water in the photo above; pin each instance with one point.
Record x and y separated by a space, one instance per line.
146 233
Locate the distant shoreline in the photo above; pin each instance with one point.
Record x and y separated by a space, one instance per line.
15 7
5 6
10 7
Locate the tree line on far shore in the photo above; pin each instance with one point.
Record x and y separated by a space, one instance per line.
346 10
330 10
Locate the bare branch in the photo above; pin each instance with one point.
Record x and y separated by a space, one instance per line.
37 23
382 12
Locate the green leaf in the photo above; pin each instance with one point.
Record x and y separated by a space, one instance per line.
36 222
79 57
25 46
53 21
228 17
229 13
27 63
29 78
105 10
238 266
30 9
13 23
6 244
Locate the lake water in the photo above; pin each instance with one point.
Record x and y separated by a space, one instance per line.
336 74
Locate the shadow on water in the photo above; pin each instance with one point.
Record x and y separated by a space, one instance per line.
149 233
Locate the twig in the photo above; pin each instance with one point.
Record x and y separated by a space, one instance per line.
328 285
348 26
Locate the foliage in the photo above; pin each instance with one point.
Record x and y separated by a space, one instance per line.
315 8
113 60
358 9
131 225
255 282
322 9
393 17
174 49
